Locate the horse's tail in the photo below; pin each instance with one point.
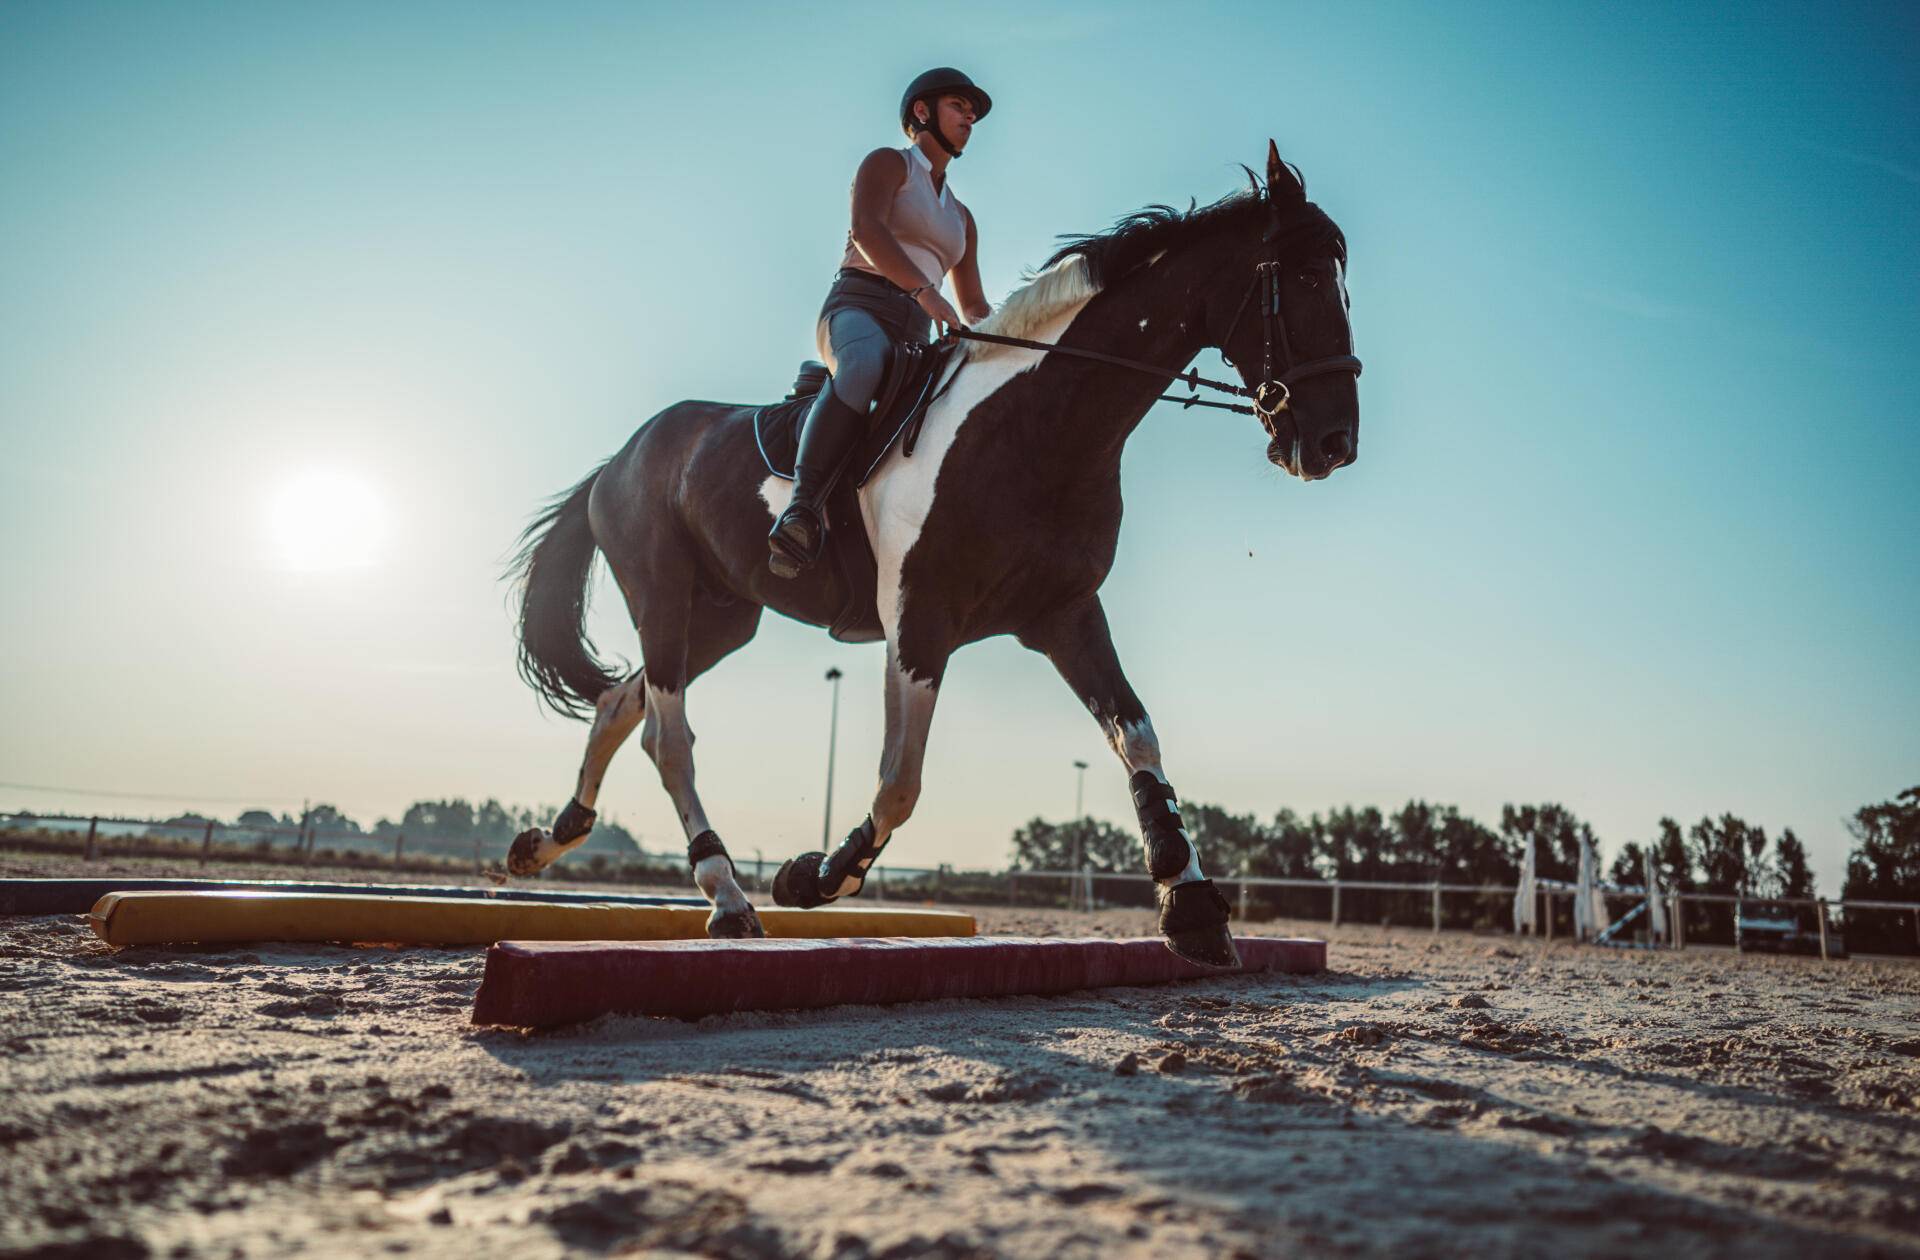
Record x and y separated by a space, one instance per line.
552 568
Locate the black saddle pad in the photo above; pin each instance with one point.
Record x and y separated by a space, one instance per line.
903 405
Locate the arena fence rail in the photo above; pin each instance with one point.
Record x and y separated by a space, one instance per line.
299 844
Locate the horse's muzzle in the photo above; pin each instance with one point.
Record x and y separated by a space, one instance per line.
1311 462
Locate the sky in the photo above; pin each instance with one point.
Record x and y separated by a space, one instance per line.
304 311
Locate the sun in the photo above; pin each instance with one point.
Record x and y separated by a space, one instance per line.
323 520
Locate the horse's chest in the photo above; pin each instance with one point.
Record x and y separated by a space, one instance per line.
970 530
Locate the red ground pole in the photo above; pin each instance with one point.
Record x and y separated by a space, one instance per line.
544 983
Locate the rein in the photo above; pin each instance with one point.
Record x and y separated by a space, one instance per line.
1266 279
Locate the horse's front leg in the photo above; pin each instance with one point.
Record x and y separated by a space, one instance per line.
1193 914
815 878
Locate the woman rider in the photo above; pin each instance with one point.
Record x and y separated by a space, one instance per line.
909 231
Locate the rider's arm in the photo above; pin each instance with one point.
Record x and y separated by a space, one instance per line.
965 275
873 188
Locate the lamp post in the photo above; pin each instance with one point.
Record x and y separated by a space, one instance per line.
833 735
1075 890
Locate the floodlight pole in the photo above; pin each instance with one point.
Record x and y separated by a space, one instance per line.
1075 889
833 736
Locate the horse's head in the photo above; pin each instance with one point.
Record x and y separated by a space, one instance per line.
1280 317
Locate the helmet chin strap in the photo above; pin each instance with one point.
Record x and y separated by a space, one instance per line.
939 134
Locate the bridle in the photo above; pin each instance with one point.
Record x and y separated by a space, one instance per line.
1274 393
1270 397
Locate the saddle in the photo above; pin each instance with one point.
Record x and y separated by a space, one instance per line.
895 417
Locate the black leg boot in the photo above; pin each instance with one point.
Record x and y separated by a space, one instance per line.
826 438
815 878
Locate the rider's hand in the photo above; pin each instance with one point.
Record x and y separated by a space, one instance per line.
940 310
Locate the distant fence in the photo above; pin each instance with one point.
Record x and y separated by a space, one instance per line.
304 844
1335 896
301 844
1486 907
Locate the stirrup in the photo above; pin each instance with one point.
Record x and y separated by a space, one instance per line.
795 541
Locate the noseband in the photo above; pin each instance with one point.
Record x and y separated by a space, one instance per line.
1270 397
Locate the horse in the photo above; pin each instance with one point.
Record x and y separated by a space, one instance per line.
1003 521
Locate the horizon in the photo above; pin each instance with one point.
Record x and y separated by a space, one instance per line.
306 314
610 830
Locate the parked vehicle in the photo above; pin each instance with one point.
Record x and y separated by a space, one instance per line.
1775 927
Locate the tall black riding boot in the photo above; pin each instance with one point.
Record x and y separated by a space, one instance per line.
826 439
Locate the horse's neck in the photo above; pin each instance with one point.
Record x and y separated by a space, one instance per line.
1152 316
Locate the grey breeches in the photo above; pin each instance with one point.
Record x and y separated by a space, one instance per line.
858 352
861 322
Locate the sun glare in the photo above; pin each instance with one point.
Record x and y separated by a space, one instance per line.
322 520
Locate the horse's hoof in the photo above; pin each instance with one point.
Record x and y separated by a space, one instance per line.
1193 918
740 925
797 883
523 856
1212 948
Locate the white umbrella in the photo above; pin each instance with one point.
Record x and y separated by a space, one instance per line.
1583 927
1656 902
1589 902
1526 900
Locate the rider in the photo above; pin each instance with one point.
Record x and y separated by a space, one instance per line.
908 232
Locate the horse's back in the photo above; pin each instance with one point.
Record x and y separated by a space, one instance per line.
669 465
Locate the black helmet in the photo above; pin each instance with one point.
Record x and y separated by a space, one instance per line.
934 82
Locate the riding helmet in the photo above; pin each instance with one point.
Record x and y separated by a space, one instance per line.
937 81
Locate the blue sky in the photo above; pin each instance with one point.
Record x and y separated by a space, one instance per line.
1633 526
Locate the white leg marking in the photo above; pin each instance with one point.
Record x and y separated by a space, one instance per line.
1139 748
615 715
909 718
714 876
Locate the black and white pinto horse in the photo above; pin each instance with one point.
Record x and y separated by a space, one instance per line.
1004 520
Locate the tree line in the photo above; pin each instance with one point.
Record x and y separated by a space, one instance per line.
451 819
1423 842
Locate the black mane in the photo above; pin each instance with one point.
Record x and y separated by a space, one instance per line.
1129 243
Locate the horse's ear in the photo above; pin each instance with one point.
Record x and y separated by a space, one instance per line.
1284 185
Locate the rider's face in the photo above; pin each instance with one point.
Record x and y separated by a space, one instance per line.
956 118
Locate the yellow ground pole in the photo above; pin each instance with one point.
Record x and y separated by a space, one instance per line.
168 918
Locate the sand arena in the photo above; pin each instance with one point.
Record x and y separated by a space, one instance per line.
1427 1095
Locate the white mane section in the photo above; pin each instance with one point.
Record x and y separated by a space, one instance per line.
1034 305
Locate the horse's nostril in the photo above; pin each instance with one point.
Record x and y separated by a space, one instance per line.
1337 448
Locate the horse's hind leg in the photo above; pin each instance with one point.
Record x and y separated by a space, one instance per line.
679 648
1193 914
682 635
615 713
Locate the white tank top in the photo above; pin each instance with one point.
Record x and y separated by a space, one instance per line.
929 223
